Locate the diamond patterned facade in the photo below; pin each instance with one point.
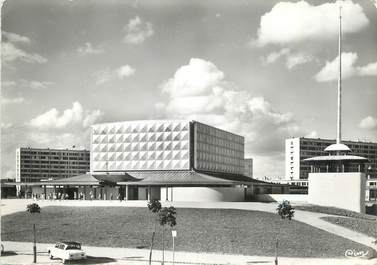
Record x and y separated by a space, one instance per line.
165 145
140 145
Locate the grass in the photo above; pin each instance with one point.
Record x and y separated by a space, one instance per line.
199 230
367 227
335 211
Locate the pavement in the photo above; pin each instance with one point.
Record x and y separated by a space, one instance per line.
116 256
140 256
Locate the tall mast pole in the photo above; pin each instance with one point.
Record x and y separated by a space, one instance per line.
339 121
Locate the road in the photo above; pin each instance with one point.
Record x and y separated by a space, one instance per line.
140 256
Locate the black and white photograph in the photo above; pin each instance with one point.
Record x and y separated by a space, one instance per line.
162 132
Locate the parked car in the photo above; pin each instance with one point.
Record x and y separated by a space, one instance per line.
66 251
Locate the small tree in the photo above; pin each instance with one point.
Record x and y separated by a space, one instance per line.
286 211
166 216
34 208
154 206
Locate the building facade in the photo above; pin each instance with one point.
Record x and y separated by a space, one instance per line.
248 167
300 148
35 164
165 145
166 159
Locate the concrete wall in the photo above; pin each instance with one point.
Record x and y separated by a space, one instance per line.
295 198
342 190
203 194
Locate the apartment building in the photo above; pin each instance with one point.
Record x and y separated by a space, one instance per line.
300 148
35 164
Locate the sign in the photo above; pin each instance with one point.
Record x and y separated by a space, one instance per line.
174 233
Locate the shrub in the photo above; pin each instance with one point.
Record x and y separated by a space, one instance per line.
285 210
33 208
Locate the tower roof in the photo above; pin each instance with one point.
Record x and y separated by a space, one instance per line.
337 147
343 158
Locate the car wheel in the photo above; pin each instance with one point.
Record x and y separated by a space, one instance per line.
51 257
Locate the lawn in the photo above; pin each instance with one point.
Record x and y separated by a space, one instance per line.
199 230
335 211
367 227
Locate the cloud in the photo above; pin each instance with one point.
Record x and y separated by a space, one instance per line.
370 69
33 84
10 174
61 129
312 134
8 101
289 22
296 59
107 75
194 79
5 125
368 123
37 84
8 83
125 71
73 117
88 48
292 59
91 118
330 71
11 53
137 31
59 140
13 37
199 91
103 76
276 55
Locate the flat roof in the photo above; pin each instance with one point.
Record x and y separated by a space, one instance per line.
358 141
137 122
53 149
157 178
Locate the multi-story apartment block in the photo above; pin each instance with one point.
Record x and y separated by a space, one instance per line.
300 148
35 164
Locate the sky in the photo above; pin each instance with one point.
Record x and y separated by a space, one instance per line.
266 70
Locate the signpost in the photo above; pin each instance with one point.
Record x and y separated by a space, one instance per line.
174 235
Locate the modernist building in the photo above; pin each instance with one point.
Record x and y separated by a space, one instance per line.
35 164
165 145
300 148
169 158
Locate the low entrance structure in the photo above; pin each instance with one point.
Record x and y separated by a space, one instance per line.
161 185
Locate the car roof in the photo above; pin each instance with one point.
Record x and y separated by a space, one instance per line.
68 242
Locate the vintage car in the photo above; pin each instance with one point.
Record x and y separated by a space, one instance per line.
66 251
